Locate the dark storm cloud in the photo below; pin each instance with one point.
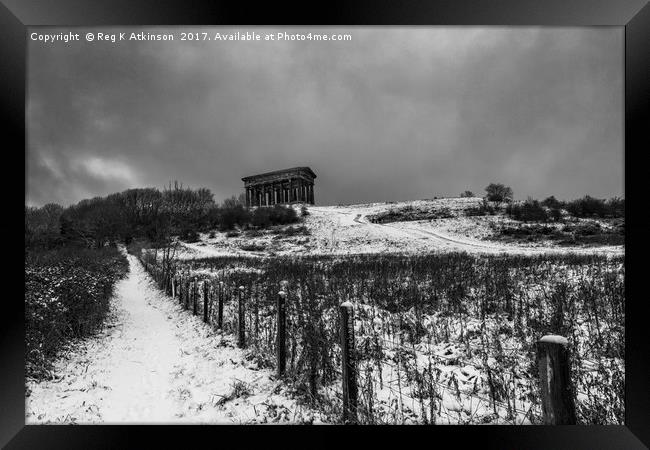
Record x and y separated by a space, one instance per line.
394 114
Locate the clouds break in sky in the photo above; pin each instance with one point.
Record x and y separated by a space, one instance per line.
394 114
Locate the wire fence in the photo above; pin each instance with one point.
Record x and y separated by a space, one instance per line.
439 339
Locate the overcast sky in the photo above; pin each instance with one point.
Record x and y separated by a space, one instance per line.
394 114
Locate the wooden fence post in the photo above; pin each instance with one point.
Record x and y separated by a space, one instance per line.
242 319
558 407
180 290
195 292
189 294
220 307
348 364
205 301
173 287
186 300
256 307
281 351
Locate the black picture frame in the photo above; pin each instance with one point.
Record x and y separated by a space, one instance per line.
633 15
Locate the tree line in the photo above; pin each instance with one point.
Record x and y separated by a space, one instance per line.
147 213
550 208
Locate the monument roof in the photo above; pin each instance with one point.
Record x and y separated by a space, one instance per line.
278 172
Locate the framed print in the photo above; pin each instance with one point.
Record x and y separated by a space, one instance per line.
408 218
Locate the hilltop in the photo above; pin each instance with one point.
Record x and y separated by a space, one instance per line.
420 226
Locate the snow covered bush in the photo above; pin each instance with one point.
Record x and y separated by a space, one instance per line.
483 209
529 211
588 206
410 213
67 293
264 217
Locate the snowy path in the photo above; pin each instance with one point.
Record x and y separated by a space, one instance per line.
155 363
416 233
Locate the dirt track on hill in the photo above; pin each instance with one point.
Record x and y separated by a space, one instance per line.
443 242
449 243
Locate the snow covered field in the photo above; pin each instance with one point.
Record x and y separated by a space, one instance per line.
154 363
444 338
347 230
